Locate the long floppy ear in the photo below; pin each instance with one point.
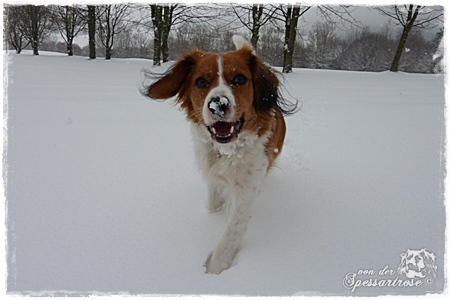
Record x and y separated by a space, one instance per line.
265 81
266 89
172 82
402 264
265 86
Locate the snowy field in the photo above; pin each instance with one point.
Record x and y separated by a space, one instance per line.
104 197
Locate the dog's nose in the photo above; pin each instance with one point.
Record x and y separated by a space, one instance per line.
219 106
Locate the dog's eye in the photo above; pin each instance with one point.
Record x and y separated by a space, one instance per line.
239 79
201 83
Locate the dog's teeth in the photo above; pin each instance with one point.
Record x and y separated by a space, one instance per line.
232 129
214 130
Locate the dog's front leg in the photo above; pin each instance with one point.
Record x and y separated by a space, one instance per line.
243 194
216 194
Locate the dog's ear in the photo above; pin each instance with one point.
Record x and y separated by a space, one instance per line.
402 263
266 89
172 82
265 86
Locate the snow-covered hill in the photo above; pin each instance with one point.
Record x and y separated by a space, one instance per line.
103 193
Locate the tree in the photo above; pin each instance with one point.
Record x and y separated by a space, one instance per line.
34 24
191 36
366 51
253 17
111 21
418 56
291 14
69 21
409 16
323 46
91 20
157 21
270 45
164 17
13 35
132 43
437 45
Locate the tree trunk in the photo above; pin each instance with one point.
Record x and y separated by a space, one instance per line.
108 53
69 49
91 30
35 30
156 20
290 36
398 53
287 26
255 38
257 11
404 37
35 47
165 29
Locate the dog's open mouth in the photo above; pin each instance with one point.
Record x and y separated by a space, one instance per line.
225 132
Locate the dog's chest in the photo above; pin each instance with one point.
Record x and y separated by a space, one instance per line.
241 158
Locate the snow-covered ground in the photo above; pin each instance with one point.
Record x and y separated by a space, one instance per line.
103 193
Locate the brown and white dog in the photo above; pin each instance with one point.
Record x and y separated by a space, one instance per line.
233 103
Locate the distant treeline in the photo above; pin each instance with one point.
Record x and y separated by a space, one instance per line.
363 50
164 32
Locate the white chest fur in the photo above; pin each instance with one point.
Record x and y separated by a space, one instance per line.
231 161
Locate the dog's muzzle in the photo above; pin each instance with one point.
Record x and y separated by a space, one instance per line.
225 132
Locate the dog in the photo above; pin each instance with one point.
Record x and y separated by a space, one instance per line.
233 103
418 264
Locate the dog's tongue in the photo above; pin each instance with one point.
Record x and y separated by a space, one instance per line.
223 128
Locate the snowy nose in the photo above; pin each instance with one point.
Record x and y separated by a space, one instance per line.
218 106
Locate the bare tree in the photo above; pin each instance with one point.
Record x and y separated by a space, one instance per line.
338 15
323 46
253 17
163 18
13 35
111 21
70 22
438 50
34 24
270 45
409 16
190 36
367 51
91 20
157 22
290 15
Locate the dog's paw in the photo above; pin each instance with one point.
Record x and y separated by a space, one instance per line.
214 208
215 266
215 204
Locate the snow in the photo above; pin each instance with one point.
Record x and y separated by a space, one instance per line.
104 197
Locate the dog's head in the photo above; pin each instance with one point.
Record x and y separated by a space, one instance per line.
417 264
226 92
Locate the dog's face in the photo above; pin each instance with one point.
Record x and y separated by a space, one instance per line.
417 263
227 93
